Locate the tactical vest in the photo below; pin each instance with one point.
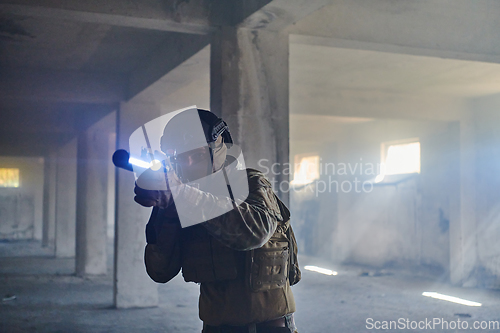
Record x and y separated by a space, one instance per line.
205 259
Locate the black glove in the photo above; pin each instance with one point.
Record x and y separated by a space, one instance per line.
152 198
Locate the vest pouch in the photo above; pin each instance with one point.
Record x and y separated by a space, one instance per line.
204 259
269 266
294 274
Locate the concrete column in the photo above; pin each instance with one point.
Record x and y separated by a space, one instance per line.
92 185
39 201
487 182
111 187
49 200
463 231
66 201
249 89
455 230
132 285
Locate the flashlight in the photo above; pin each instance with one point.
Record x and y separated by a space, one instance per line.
121 159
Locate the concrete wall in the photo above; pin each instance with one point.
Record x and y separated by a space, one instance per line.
487 183
65 230
21 209
405 224
314 211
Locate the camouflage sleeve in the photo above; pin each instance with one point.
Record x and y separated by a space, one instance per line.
245 225
162 255
249 225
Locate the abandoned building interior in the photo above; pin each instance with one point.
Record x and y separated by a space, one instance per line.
377 122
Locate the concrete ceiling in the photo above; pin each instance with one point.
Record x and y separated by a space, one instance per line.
321 70
76 57
78 46
395 58
65 65
457 29
327 80
57 72
324 73
87 56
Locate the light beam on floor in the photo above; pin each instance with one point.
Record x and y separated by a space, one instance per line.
320 270
450 299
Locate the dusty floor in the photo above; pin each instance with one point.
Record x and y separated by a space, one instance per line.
54 301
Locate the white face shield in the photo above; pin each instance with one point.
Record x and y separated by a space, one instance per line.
180 143
144 143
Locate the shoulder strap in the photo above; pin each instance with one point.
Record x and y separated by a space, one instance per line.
294 274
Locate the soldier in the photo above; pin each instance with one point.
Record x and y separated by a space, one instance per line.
245 258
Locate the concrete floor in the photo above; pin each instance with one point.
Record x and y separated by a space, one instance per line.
53 301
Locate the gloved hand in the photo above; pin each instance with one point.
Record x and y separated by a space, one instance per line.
161 198
150 198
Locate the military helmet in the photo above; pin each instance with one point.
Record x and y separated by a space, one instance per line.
183 132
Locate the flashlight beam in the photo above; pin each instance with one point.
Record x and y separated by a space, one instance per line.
138 162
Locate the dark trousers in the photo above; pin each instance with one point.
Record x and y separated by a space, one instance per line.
254 328
245 329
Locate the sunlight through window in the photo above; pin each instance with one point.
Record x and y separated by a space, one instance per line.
306 170
399 158
9 177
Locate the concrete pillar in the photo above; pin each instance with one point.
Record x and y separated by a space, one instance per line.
49 200
487 182
463 231
111 188
92 185
66 201
455 230
39 201
132 285
249 89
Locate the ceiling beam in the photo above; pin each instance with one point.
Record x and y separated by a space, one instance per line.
174 51
150 14
391 48
27 122
192 17
278 14
27 117
62 86
377 105
36 127
32 144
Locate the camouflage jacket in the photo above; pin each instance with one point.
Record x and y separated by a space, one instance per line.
226 297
